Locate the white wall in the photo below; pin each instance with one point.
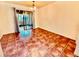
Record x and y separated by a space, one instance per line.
36 17
6 20
61 18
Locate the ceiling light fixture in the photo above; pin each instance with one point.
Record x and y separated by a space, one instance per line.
34 7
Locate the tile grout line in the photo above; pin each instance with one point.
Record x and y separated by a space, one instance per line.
65 47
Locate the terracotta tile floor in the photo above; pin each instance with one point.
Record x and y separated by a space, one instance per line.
41 43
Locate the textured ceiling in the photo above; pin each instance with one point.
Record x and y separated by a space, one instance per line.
30 3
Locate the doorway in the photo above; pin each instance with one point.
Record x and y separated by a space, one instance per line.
25 22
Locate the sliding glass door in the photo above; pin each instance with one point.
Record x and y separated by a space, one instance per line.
25 23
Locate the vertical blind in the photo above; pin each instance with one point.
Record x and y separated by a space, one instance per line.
25 19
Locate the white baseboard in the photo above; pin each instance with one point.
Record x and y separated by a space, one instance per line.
1 36
1 52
